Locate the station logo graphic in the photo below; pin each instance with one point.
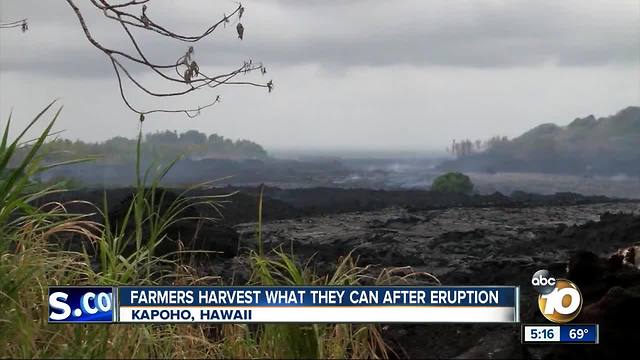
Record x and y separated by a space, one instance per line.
559 300
81 304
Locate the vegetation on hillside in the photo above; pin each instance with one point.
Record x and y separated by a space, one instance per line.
159 147
467 147
587 146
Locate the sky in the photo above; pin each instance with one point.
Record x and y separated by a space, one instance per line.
352 74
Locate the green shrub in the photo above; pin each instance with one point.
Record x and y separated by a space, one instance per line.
453 182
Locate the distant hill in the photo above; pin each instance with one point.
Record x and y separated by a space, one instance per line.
159 147
587 146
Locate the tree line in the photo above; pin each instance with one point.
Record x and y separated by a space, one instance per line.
158 146
468 147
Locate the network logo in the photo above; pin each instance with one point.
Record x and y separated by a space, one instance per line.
559 300
81 304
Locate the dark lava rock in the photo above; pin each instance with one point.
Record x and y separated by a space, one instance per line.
472 246
612 231
611 298
281 204
501 344
586 269
463 240
190 232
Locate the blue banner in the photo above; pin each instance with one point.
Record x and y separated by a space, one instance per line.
487 296
81 304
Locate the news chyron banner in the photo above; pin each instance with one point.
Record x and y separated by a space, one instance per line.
285 304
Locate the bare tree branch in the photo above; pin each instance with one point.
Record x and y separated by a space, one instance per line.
187 71
15 24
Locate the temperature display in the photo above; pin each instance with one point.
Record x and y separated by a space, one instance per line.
579 333
566 333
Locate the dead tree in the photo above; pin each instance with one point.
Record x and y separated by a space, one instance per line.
184 72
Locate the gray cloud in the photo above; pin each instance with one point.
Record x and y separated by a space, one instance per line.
355 73
346 33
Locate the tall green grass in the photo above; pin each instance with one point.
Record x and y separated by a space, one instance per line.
144 228
302 341
30 261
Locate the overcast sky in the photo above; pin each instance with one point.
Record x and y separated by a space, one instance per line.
357 74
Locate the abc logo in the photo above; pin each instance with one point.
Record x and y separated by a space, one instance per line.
559 300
